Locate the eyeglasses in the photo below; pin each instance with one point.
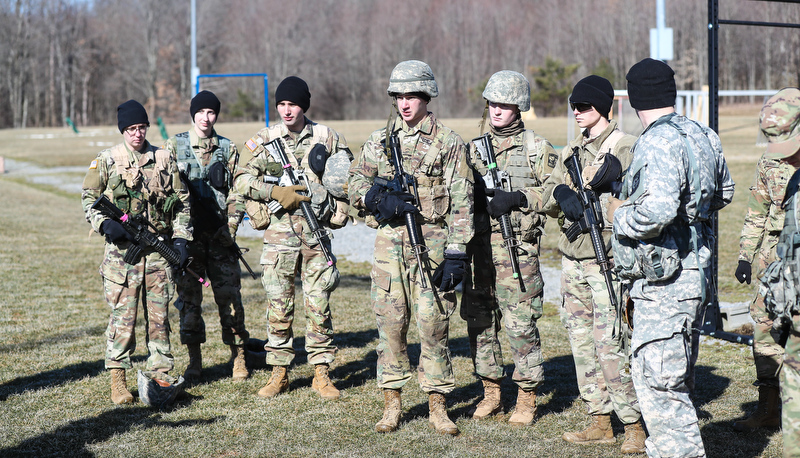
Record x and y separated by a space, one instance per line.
580 106
132 130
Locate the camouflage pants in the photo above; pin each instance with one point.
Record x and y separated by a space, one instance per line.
767 352
663 373
492 295
221 266
602 363
151 280
281 263
397 294
790 392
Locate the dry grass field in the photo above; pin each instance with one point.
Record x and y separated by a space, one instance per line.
54 392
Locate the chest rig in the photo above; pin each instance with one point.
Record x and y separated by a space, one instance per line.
198 174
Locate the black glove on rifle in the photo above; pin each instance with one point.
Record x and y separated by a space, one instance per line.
451 271
387 205
503 202
180 246
569 202
114 231
744 272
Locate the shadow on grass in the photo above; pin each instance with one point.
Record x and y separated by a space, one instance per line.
57 377
52 339
71 439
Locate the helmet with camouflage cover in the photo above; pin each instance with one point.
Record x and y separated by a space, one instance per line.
158 389
412 76
780 122
336 173
509 87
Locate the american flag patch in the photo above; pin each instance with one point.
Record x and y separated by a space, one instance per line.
93 165
251 145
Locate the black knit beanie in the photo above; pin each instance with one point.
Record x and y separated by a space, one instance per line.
130 113
596 91
204 99
295 90
651 84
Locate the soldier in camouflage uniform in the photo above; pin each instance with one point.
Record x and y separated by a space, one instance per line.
289 245
143 181
436 157
762 226
600 343
494 294
207 163
677 180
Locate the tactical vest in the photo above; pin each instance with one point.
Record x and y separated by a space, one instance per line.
781 280
189 163
659 259
143 190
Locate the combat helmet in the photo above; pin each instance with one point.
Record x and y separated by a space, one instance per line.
780 122
412 76
157 389
509 87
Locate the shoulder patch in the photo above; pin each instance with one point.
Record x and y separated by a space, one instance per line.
251 145
552 160
93 165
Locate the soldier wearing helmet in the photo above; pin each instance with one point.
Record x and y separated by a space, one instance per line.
435 158
494 292
780 122
601 355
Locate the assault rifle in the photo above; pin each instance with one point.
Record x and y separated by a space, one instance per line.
291 177
591 222
498 179
137 227
218 222
405 183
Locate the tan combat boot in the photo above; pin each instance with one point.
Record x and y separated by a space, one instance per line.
598 432
634 438
491 404
278 383
392 408
195 366
322 383
525 410
239 358
437 415
767 414
119 387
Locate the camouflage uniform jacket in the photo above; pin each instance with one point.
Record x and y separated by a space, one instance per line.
591 150
662 202
249 181
195 155
524 157
437 158
764 214
139 183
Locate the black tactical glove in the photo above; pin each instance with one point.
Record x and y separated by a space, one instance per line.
180 246
451 271
569 202
744 272
373 196
503 202
114 231
224 236
606 175
387 205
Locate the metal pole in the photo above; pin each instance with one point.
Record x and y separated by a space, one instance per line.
193 80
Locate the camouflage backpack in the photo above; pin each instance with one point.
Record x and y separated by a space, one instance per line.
780 282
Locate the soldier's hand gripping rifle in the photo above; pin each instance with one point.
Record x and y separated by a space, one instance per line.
218 222
498 179
405 183
137 227
291 177
592 222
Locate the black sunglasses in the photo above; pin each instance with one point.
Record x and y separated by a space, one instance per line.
580 106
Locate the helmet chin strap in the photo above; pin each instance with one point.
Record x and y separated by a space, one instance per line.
483 118
390 123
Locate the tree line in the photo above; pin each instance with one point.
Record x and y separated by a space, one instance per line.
81 58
